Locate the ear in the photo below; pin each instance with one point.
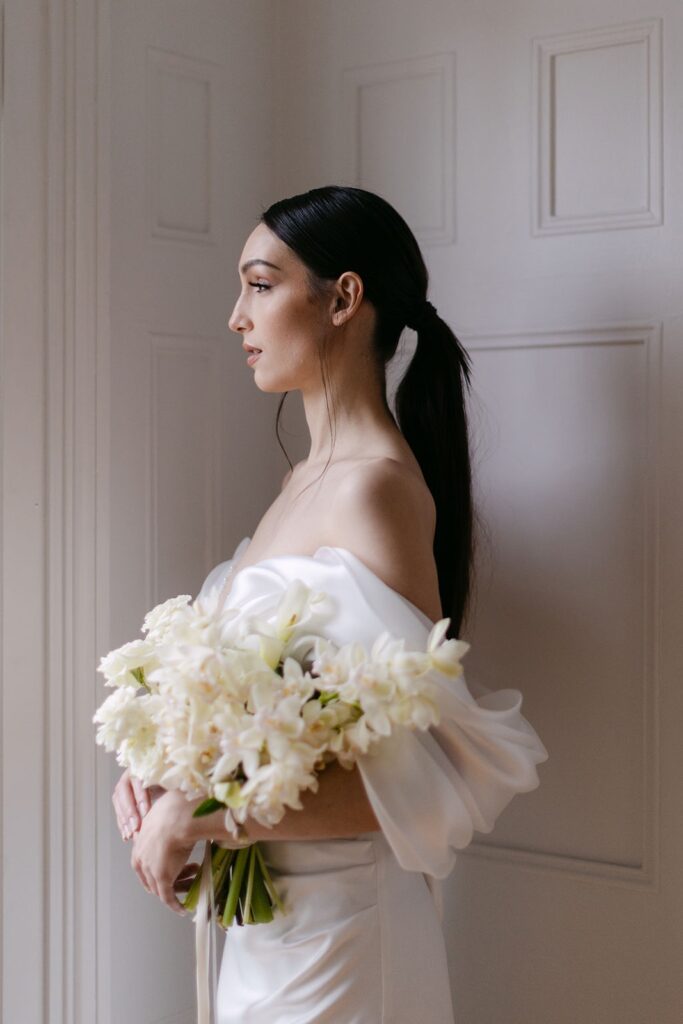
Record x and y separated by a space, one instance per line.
347 297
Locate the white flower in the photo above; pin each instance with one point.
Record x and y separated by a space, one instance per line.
355 739
230 794
446 656
118 665
324 721
275 724
161 619
297 682
112 715
127 725
274 786
333 666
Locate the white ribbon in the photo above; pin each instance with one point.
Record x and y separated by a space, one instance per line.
204 934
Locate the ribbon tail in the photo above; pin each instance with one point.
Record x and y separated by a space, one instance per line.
214 943
434 886
202 939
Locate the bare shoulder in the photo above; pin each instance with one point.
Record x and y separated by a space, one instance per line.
385 488
288 474
384 513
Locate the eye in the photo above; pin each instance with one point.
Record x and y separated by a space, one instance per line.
259 284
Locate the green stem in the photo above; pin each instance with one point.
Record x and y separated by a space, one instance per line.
192 894
220 877
268 880
220 861
239 863
218 857
246 908
262 907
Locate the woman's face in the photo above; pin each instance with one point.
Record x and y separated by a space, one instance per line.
275 314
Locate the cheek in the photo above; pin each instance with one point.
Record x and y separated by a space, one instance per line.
291 362
294 341
296 318
289 356
289 332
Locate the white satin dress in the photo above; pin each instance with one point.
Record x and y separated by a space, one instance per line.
361 940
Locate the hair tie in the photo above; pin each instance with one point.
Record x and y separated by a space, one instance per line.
422 316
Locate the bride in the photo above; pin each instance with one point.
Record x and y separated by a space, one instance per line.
379 513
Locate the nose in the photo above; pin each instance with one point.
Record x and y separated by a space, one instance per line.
238 322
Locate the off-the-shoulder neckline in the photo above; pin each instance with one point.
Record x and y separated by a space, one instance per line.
313 558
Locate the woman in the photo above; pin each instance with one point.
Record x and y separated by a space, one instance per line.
329 279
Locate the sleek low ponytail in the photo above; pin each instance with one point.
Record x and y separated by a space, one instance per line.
338 228
430 409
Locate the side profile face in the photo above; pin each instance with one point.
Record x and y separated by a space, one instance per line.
275 313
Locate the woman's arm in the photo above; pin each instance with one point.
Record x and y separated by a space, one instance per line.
168 831
339 809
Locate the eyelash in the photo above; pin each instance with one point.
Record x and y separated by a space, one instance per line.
259 284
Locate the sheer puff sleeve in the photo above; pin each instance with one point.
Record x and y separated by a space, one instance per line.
430 790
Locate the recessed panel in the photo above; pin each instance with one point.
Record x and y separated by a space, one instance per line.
180 145
400 138
597 129
391 157
565 485
600 131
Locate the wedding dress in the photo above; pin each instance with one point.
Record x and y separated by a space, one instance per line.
361 941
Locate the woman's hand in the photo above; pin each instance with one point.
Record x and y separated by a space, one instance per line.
132 802
161 848
165 840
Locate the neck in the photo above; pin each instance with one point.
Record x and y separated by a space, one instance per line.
357 407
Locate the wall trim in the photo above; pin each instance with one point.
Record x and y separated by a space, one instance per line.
77 146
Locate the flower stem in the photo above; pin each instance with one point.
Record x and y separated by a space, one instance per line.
220 863
246 907
221 874
272 891
239 865
262 907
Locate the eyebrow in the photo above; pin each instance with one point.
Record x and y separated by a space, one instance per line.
251 263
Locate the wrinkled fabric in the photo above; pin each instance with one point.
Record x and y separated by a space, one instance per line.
361 941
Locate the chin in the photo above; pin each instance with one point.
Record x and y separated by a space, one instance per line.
274 383
268 385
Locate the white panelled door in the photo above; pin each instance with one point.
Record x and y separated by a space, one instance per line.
189 176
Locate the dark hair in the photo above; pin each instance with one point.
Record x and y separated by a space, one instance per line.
339 228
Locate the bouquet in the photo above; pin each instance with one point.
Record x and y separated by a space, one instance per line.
244 711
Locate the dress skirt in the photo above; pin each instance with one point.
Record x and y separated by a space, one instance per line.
360 942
